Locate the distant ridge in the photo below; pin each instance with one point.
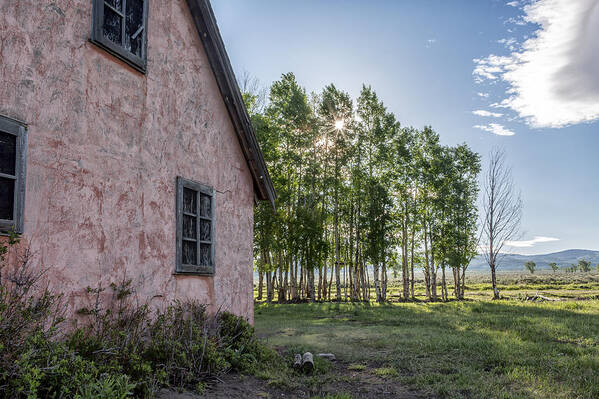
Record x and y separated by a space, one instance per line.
515 262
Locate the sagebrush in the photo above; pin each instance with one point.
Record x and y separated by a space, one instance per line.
120 349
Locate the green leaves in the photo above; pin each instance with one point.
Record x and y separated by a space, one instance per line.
354 187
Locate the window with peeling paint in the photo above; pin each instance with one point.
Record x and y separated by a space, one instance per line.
195 228
13 151
119 26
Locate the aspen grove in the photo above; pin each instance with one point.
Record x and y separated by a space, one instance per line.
359 198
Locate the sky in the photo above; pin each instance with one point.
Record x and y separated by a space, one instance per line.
519 75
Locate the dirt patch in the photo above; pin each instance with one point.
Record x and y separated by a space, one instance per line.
233 386
364 383
338 380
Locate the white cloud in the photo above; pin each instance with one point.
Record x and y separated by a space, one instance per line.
552 80
495 128
491 67
482 112
530 243
516 21
510 44
483 95
513 4
430 42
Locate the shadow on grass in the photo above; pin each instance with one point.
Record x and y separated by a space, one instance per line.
459 349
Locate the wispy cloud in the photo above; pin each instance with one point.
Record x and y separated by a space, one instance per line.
490 68
483 95
495 128
513 3
552 80
482 112
530 243
510 44
516 21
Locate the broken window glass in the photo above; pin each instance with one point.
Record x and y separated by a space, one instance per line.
112 25
116 4
134 26
120 27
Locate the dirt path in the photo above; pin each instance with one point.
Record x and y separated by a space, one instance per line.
339 380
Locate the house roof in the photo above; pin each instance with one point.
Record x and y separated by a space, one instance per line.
205 23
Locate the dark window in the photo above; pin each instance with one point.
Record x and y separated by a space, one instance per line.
120 26
195 228
13 150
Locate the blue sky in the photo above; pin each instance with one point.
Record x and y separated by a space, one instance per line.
437 62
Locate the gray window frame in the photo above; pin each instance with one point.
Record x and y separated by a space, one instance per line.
180 268
97 36
18 129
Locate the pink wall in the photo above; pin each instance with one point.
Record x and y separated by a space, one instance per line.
106 144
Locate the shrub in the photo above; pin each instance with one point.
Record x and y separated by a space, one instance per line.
106 387
182 346
32 361
122 350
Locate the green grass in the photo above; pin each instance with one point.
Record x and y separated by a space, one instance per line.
385 372
472 349
356 367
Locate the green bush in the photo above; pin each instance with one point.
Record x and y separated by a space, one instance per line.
107 387
122 350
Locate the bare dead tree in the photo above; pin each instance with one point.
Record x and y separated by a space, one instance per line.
251 86
502 212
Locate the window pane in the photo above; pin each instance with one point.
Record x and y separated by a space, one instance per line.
205 206
205 254
117 4
189 227
8 153
112 26
189 201
205 230
134 17
7 197
189 253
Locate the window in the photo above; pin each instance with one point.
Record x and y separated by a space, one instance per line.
195 228
120 26
13 146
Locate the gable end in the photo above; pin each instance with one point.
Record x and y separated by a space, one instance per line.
205 23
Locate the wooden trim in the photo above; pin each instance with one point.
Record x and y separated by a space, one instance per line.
18 129
180 268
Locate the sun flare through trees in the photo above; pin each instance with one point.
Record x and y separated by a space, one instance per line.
359 197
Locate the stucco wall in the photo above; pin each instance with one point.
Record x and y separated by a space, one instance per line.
106 144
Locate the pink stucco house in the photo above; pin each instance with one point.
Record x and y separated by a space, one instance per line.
126 150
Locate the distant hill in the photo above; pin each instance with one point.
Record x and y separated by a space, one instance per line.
515 262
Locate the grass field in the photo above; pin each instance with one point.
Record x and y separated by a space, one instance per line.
473 349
